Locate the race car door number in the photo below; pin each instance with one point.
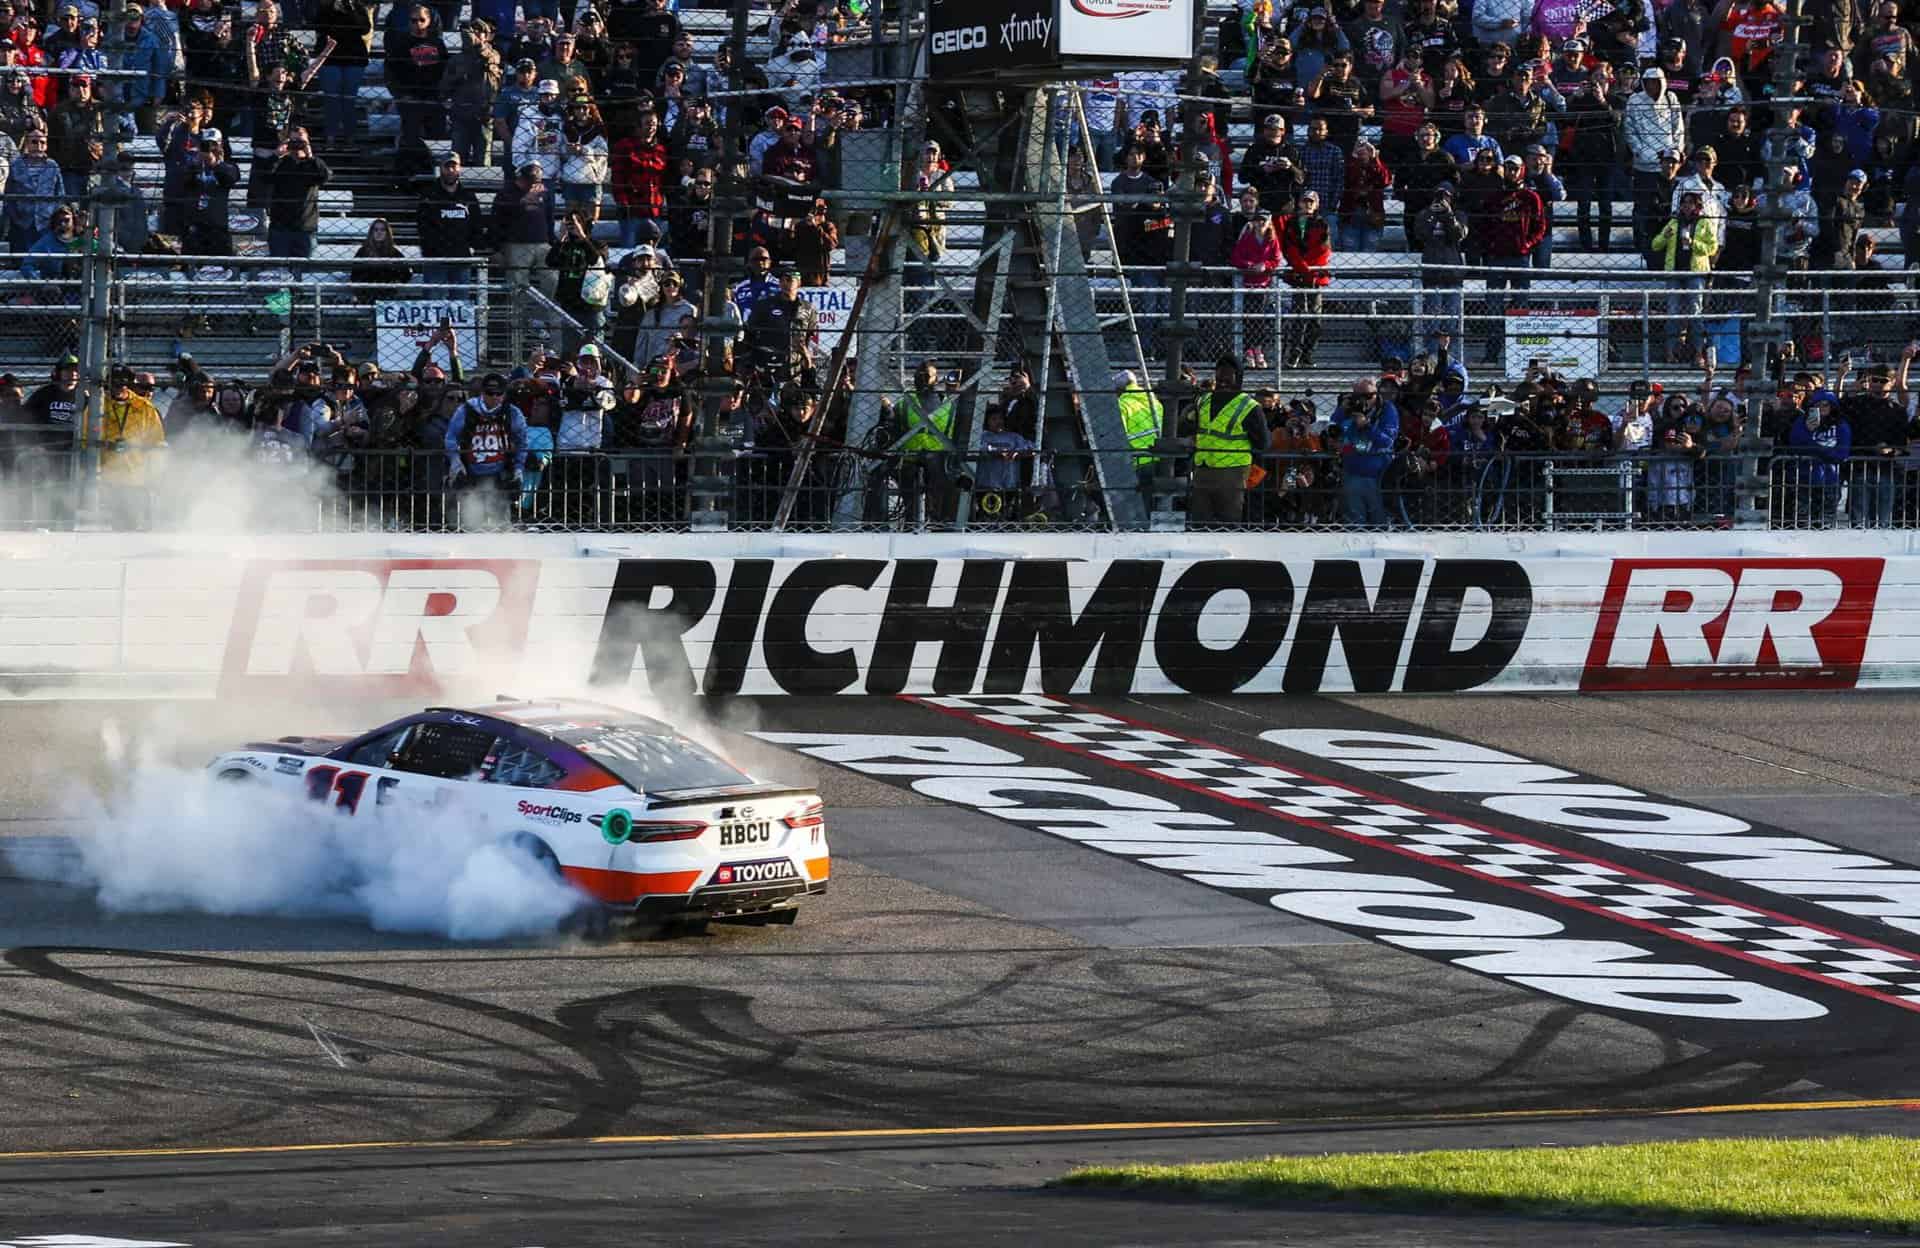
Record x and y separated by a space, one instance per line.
759 832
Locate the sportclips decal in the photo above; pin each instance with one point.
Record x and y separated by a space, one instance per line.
1832 877
1448 890
1143 625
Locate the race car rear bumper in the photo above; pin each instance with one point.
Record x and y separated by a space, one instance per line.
726 901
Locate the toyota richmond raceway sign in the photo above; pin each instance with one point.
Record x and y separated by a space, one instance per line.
1159 30
207 627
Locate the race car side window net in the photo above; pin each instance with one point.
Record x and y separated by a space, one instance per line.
449 751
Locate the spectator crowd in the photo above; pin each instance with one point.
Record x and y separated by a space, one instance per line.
1450 132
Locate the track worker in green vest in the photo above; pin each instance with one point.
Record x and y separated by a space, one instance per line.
1228 429
924 418
1141 414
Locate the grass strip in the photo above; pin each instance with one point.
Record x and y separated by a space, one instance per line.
1866 1183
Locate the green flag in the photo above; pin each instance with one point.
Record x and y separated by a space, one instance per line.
280 302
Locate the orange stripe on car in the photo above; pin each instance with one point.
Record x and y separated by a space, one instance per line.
819 868
629 885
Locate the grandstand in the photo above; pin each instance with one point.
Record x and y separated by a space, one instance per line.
1607 318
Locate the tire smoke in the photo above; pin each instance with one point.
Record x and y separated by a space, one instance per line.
170 839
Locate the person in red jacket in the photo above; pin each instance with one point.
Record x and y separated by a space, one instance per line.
1308 249
640 179
1515 223
1257 254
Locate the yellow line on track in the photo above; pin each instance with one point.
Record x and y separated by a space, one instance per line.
896 1133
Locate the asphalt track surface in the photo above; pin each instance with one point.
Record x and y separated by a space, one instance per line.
976 1006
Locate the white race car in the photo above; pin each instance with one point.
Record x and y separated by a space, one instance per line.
652 825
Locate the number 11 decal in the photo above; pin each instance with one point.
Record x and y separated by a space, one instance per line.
343 787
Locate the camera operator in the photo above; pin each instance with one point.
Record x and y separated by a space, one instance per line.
1296 478
1367 430
783 327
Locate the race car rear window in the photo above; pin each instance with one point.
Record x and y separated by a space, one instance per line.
651 762
522 767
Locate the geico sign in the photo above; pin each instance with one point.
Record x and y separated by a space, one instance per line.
1747 623
965 39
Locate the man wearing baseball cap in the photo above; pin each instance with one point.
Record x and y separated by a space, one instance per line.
522 228
1840 222
451 227
1513 226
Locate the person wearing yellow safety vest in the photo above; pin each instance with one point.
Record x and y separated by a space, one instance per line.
924 419
1141 414
1228 430
129 427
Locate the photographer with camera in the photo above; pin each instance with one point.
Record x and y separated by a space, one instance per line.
1296 482
782 329
1366 430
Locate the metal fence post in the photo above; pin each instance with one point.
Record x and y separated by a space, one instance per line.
517 323
1646 334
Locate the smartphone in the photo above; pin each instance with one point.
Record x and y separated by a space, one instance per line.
1713 356
953 377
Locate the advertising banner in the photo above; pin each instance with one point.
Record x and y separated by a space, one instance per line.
1568 342
1150 30
402 327
968 38
806 626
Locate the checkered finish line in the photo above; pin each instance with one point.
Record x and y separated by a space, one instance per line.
1505 858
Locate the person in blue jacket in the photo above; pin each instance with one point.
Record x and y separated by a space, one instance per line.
1823 441
1367 426
55 255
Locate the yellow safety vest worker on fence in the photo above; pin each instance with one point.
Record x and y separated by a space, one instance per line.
1228 425
1221 439
1141 413
919 418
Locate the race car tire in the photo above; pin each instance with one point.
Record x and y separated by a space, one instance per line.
538 850
234 777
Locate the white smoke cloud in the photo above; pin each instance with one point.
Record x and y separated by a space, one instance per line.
170 839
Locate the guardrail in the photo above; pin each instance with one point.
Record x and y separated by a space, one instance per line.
271 487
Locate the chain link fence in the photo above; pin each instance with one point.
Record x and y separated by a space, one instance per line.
1005 306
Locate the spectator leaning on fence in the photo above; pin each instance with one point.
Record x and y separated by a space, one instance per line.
487 438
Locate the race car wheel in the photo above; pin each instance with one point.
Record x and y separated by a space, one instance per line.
538 850
234 777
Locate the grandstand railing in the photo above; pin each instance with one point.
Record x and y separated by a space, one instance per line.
234 488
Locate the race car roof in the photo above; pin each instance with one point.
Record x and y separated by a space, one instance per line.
539 714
